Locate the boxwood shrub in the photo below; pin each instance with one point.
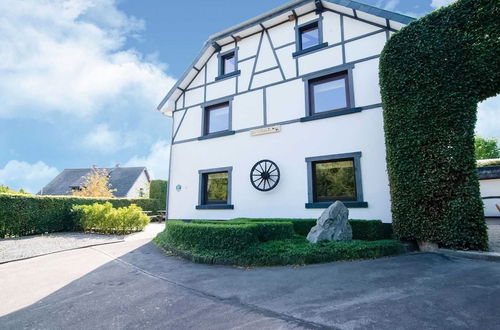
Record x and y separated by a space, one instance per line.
433 73
210 236
369 230
294 251
27 214
104 218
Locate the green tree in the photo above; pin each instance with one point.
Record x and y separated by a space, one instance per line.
6 190
486 148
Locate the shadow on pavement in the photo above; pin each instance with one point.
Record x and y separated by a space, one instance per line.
145 289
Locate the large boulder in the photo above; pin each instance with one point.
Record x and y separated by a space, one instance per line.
332 225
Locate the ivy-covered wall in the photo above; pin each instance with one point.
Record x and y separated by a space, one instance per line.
432 75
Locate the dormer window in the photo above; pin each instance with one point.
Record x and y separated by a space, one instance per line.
228 64
309 36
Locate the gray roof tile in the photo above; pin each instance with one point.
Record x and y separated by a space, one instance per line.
120 178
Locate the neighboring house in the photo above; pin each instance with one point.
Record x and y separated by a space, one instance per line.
297 86
489 183
128 181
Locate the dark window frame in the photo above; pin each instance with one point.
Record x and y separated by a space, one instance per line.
342 75
342 70
316 199
205 122
356 158
307 27
202 189
298 37
221 57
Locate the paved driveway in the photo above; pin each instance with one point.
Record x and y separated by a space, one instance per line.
133 285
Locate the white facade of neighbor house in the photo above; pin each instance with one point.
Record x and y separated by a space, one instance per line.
140 188
490 193
271 116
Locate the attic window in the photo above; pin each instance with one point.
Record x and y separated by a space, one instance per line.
228 64
309 36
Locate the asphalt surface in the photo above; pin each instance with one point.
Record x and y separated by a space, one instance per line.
134 285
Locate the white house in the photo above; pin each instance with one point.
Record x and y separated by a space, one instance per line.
489 183
281 115
131 182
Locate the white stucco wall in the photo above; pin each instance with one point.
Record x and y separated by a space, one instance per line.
257 97
141 182
490 188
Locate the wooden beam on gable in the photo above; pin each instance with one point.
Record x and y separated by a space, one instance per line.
319 6
216 46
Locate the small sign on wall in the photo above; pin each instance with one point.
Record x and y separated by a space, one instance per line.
265 130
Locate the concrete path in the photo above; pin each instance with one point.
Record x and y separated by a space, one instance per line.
133 285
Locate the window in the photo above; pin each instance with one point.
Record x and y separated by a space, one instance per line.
309 36
215 189
228 63
217 118
329 93
335 178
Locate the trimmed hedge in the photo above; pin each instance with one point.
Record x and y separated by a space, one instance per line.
22 215
433 73
300 226
158 190
295 251
210 236
104 218
369 230
263 231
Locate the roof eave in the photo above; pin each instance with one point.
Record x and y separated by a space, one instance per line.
167 109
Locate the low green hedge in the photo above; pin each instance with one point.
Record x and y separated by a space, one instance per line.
294 251
210 236
22 215
369 230
265 230
104 218
300 226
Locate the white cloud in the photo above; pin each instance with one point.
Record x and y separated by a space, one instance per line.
103 139
156 161
440 3
488 118
30 177
68 57
391 4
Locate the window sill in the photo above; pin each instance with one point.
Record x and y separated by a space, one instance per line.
324 205
329 114
228 75
310 49
216 135
215 207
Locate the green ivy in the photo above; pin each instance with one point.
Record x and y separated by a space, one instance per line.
433 73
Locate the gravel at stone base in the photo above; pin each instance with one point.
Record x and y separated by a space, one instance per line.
31 246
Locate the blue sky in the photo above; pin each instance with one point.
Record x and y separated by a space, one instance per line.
80 79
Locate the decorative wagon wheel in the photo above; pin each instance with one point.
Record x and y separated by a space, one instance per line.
265 175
